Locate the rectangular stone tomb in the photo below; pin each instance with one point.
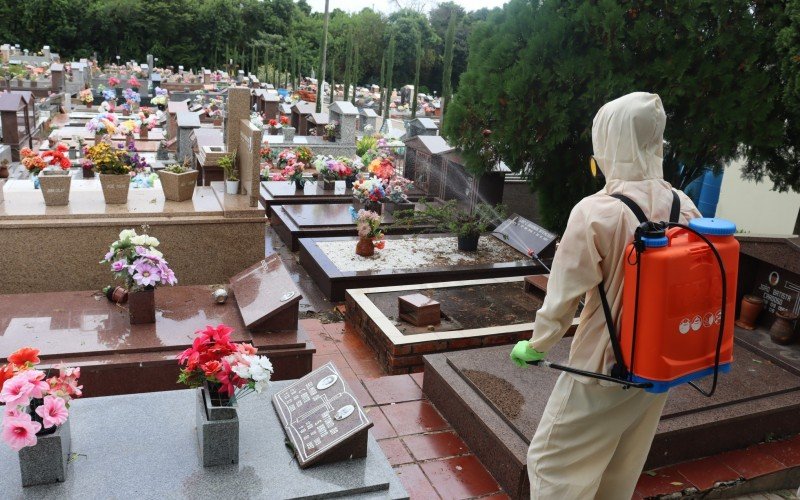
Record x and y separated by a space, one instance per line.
267 297
322 418
474 313
196 236
144 446
284 193
756 400
293 222
759 341
85 329
333 264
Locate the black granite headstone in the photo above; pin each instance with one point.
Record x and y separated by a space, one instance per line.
526 236
322 418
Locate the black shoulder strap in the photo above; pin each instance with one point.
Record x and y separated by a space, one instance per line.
675 211
636 209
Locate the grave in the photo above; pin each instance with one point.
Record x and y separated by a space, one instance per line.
173 108
158 442
83 328
367 117
292 222
344 114
187 122
505 403
422 126
423 160
334 266
284 193
473 313
17 120
208 146
316 124
300 112
197 235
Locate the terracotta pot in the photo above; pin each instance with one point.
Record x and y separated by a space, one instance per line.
3 171
178 187
365 247
117 294
142 307
89 105
750 308
115 188
783 328
143 133
55 189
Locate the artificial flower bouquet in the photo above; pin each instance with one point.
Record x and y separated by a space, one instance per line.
107 160
397 189
160 98
382 167
368 225
35 404
147 119
293 172
110 95
265 153
104 123
133 82
135 259
57 158
233 367
129 127
113 81
304 155
86 96
132 99
256 121
284 120
286 157
369 191
32 162
333 169
330 130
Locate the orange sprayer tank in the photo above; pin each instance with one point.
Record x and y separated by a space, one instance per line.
679 309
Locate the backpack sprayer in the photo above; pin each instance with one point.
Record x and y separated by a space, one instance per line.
677 293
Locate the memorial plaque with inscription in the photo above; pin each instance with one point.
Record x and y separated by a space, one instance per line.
526 236
322 418
267 297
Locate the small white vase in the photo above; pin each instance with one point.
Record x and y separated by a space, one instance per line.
232 187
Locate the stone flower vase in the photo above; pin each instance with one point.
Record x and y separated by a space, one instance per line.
142 306
115 188
88 173
217 426
299 185
288 134
751 307
45 462
328 185
55 188
783 328
365 247
178 187
468 243
144 132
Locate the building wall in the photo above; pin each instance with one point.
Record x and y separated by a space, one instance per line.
754 207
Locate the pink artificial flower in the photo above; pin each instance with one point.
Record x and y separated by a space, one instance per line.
16 391
246 348
20 432
39 386
53 412
11 412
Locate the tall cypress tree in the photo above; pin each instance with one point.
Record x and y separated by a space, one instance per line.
382 83
416 78
389 71
447 73
333 81
356 74
323 56
348 62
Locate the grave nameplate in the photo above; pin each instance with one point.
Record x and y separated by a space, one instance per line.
526 236
322 418
780 290
267 296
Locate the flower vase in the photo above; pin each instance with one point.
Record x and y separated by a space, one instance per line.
115 188
468 243
348 183
217 426
88 105
161 107
142 306
88 173
55 188
365 247
46 461
328 185
126 112
144 132
751 307
783 328
299 185
36 183
98 138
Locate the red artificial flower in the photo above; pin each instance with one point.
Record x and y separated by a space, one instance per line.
24 356
273 122
6 372
380 244
210 368
284 120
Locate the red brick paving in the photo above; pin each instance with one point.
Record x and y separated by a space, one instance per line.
433 462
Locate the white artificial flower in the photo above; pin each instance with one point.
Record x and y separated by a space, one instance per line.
139 239
261 385
260 368
153 242
126 234
241 370
156 253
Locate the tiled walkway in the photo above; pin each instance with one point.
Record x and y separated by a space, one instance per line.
430 459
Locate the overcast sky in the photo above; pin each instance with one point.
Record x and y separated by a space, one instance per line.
387 6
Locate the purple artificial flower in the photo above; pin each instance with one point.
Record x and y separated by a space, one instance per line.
140 250
119 266
108 256
146 274
167 274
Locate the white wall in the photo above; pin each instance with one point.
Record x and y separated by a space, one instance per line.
754 207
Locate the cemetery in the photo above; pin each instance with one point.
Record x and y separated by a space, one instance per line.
234 270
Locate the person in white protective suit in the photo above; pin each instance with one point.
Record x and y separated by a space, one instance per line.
594 436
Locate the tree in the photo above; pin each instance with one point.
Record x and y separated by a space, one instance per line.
321 81
447 73
382 83
356 72
389 83
414 104
539 71
348 63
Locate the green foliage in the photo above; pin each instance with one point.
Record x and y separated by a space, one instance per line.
447 72
414 104
228 164
450 217
364 144
389 75
539 71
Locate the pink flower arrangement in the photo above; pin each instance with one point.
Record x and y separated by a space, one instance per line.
397 189
333 168
135 259
33 401
215 359
113 81
133 82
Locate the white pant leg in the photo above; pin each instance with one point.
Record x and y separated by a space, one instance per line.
579 434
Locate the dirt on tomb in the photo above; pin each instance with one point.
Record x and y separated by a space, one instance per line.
419 252
499 391
467 307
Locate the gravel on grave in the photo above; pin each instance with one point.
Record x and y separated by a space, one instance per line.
418 252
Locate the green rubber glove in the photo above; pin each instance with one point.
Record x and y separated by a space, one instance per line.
522 353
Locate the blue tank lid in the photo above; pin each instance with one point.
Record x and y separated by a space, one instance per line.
654 241
713 226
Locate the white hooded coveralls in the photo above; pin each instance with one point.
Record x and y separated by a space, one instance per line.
594 436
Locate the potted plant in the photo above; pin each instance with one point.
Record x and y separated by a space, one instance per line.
228 164
114 174
397 195
102 124
35 423
132 100
178 181
332 169
135 260
133 83
160 99
450 217
368 194
33 163
86 97
370 236
147 122
330 132
223 372
381 167
55 179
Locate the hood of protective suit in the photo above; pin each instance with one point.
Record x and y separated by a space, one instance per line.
628 138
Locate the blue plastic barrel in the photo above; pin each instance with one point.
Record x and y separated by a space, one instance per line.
709 193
